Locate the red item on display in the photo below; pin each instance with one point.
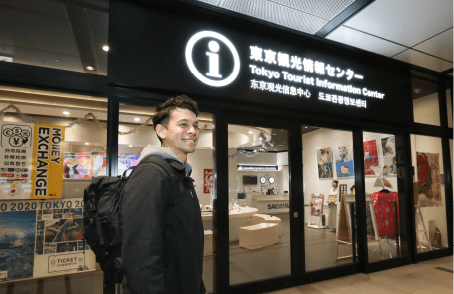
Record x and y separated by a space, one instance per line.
384 212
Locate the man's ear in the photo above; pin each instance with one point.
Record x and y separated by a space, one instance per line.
161 131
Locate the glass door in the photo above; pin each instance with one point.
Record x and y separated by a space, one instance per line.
329 198
259 204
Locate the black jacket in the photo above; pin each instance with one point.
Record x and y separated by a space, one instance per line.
162 238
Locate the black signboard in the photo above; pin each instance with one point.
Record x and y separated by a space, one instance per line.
213 55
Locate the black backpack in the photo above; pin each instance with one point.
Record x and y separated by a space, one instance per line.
103 221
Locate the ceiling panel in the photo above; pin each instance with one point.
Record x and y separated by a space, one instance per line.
364 41
440 46
424 60
36 31
276 13
50 8
326 9
403 21
42 58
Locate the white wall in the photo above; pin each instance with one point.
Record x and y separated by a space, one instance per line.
426 110
236 177
201 159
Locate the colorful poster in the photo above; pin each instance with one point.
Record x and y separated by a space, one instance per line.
126 160
343 157
42 238
78 165
370 157
388 147
31 165
17 244
207 180
316 205
429 179
325 163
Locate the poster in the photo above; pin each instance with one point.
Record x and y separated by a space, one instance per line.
84 165
325 163
429 179
126 160
343 157
17 242
208 181
31 161
316 205
388 147
370 157
42 238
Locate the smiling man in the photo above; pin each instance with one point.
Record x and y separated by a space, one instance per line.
162 224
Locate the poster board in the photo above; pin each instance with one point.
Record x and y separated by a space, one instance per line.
31 160
42 238
344 231
315 217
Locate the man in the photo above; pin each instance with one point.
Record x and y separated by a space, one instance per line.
163 236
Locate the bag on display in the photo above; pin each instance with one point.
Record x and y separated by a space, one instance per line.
102 219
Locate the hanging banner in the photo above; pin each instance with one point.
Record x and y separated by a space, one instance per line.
32 161
42 238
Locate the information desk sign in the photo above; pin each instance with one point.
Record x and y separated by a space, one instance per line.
210 55
31 165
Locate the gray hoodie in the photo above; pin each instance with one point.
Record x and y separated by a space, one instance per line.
165 153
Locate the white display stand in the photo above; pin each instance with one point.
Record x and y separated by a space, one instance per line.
316 203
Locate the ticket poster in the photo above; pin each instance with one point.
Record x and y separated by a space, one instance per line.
42 238
31 161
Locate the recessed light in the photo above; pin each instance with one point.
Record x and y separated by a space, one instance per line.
87 143
250 132
105 48
90 68
274 134
65 112
130 145
305 127
137 119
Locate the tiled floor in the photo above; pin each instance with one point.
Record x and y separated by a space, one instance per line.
420 278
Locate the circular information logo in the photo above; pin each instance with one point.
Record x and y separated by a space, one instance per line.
212 53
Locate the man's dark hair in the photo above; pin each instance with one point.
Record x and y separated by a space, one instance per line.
352 187
337 182
162 116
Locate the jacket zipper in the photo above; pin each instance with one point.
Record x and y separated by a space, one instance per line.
191 194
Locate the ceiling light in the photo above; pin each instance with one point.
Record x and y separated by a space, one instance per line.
417 91
137 119
65 113
250 132
90 68
105 48
130 145
274 134
305 127
87 143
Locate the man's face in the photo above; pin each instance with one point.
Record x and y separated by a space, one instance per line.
182 132
334 184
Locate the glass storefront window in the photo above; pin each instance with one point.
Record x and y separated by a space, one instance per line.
385 196
259 214
449 106
452 159
66 35
425 102
429 189
136 132
329 199
50 144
